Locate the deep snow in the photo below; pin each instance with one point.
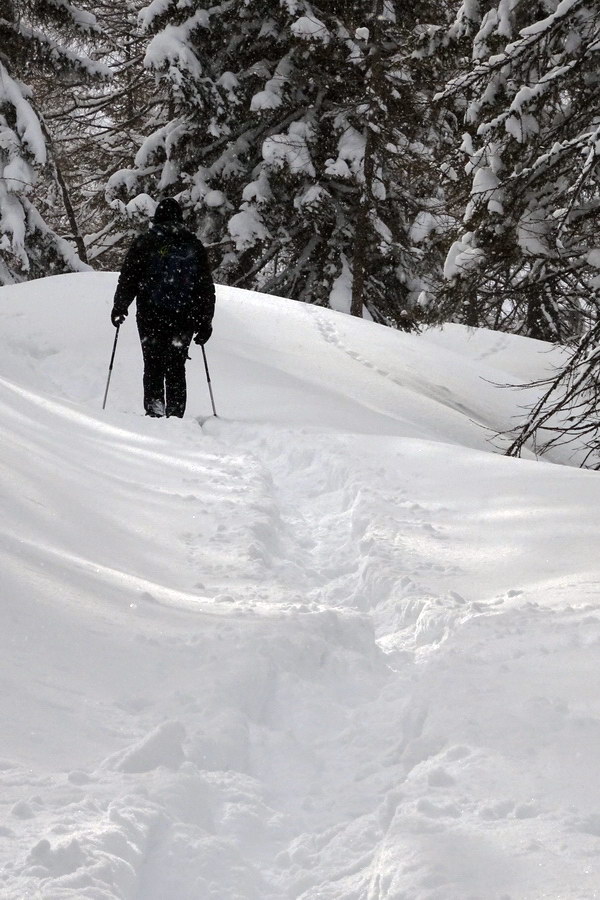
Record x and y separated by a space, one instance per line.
331 646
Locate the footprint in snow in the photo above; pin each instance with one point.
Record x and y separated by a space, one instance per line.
436 810
79 778
589 825
23 810
440 777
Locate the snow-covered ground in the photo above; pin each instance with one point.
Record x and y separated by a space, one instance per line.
330 646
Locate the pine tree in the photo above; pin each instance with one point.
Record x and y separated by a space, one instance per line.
30 181
530 196
295 137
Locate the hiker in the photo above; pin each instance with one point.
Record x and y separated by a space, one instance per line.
166 271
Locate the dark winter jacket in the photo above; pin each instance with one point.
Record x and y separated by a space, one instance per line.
139 281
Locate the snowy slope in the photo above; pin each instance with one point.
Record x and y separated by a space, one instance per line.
328 647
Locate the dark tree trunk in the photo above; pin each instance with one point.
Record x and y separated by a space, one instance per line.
73 224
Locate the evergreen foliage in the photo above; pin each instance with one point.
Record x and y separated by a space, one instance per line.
32 41
530 195
98 126
297 140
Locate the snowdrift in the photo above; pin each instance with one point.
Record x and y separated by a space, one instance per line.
330 646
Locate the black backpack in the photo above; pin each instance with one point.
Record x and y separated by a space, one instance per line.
172 276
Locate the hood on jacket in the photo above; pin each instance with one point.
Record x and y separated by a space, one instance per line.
168 212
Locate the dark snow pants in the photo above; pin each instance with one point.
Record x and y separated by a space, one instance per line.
165 351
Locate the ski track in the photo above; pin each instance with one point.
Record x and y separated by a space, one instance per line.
317 763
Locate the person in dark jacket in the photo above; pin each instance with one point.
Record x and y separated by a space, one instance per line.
166 271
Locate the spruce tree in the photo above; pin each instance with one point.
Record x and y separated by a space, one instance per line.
295 135
524 260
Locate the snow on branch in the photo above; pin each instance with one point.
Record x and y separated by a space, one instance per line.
247 228
309 28
512 54
150 17
290 149
172 46
82 20
65 251
271 97
462 257
53 50
28 127
148 14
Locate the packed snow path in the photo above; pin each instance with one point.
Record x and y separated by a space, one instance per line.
328 647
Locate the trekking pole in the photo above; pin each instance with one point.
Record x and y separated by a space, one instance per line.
110 367
212 399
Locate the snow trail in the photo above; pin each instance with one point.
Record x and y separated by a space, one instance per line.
329 648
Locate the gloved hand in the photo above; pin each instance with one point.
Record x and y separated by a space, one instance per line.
203 334
117 318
